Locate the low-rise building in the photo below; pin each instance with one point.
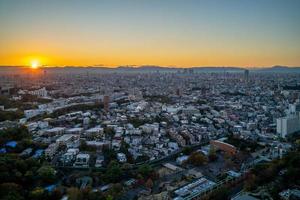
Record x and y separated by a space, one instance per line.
99 161
223 146
51 150
82 160
121 157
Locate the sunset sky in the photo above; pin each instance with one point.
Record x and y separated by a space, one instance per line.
179 33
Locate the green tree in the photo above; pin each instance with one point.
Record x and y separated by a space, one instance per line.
46 173
109 197
197 159
221 194
11 190
145 170
10 115
149 183
109 154
187 150
37 193
250 183
212 154
116 191
74 194
113 172
109 132
13 196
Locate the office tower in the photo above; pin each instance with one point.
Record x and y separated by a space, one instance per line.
246 75
106 103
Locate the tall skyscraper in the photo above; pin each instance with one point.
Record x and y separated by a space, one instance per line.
246 75
106 103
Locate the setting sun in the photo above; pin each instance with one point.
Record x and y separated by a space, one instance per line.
34 64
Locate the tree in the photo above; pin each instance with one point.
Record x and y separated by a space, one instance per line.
10 115
74 194
109 154
197 159
124 147
221 194
37 193
13 196
145 170
126 166
109 132
116 190
46 173
250 182
142 158
56 194
149 183
16 133
212 155
136 122
11 190
113 172
109 197
187 150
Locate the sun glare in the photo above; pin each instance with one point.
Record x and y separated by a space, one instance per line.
35 64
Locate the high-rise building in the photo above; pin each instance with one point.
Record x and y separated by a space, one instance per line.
106 103
289 124
178 92
246 75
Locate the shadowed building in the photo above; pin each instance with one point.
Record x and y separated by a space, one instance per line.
106 103
246 75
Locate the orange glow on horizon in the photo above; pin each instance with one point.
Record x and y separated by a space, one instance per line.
171 58
35 64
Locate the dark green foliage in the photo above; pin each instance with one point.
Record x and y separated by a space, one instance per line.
142 158
21 105
197 159
212 155
145 170
33 98
17 133
10 115
109 132
74 108
220 194
47 174
124 149
269 174
113 172
109 154
19 178
187 150
136 122
243 145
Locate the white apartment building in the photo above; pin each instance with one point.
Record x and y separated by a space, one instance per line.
288 125
42 92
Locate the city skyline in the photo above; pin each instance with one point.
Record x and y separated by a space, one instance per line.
149 99
164 33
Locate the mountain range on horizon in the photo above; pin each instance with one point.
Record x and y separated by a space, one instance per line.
154 68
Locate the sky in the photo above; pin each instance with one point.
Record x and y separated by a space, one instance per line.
182 33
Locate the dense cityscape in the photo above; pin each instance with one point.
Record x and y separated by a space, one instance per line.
149 133
149 100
